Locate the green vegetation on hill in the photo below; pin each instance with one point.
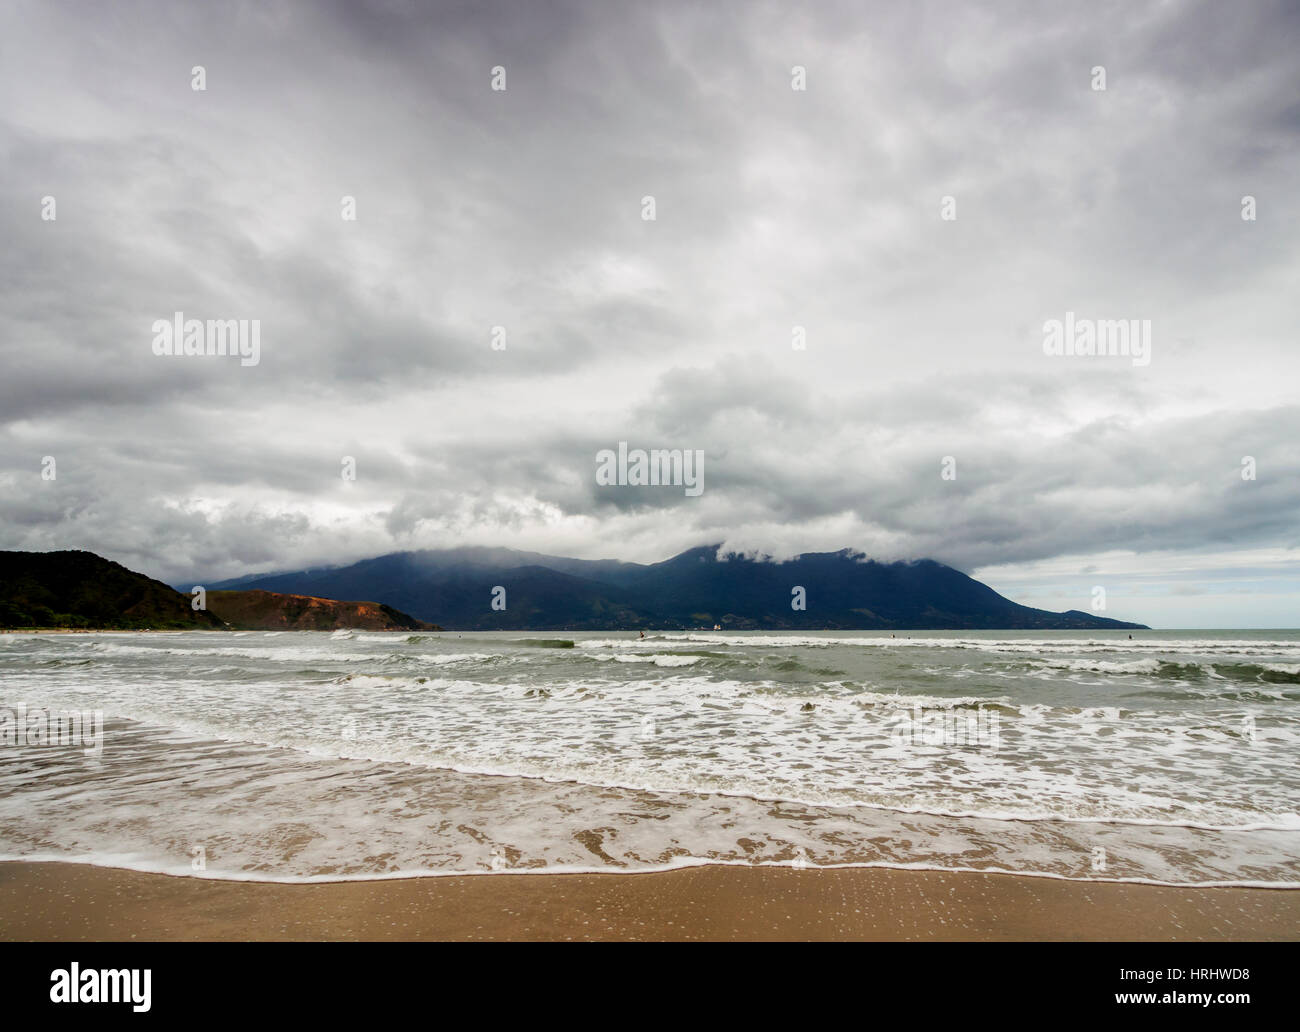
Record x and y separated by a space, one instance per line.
81 590
84 590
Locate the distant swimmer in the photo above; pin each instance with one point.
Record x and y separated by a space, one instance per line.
643 634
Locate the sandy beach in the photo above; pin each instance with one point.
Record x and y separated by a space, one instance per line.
83 630
73 902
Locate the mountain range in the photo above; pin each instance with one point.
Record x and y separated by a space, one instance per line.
501 588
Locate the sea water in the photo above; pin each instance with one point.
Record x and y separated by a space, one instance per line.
1171 757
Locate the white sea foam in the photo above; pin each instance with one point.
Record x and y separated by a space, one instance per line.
1137 666
1247 647
335 743
661 659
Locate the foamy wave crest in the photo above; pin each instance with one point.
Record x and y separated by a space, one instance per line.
1101 666
662 660
306 653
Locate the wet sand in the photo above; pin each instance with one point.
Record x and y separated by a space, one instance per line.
70 902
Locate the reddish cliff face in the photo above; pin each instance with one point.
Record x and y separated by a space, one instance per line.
269 611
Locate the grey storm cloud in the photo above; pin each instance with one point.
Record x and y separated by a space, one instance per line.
779 212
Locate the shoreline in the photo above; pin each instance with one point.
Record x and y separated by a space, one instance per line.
58 901
109 630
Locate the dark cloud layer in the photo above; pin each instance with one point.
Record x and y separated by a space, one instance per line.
776 209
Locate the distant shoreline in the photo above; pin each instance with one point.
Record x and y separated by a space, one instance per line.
652 630
630 630
109 630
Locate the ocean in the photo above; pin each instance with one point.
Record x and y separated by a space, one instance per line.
1169 758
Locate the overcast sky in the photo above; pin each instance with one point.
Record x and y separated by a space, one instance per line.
775 207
